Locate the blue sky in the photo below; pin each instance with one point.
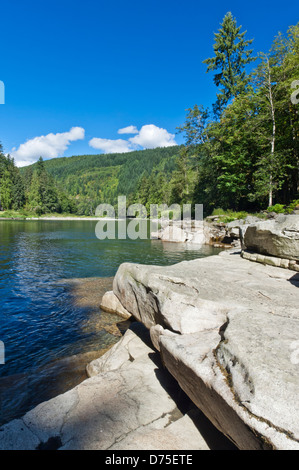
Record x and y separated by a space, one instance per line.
84 70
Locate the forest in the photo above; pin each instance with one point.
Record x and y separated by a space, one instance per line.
241 155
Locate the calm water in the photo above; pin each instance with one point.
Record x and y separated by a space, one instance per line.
38 322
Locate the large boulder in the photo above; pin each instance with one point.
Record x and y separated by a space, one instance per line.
227 330
277 237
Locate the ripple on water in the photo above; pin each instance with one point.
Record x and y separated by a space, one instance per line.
50 320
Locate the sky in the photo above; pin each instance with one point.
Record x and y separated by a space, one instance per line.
93 77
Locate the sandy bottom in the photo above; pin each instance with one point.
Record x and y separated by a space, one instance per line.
21 392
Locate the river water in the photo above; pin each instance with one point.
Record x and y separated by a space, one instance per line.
46 334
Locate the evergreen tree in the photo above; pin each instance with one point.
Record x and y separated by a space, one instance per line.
6 190
195 125
231 57
18 190
27 178
183 179
42 196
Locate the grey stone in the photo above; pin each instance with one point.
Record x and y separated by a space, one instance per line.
155 296
111 304
16 436
129 404
134 344
278 237
233 343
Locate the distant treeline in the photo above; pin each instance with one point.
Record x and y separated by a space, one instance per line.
79 184
243 154
34 189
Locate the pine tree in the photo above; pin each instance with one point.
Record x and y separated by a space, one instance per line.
231 57
43 196
18 190
195 125
27 178
6 190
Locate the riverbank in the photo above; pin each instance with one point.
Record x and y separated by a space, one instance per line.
53 217
222 330
224 327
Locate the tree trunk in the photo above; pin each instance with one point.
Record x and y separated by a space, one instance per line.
273 135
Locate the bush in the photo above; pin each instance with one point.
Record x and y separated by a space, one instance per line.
229 215
292 206
278 208
219 211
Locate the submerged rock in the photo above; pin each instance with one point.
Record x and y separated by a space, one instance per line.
111 304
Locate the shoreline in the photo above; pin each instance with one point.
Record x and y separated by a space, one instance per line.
57 218
90 416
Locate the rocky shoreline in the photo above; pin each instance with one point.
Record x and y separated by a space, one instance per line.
222 330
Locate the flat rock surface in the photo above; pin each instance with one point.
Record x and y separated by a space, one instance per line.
131 403
236 326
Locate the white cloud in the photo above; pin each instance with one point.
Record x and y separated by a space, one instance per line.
46 146
128 130
110 146
151 136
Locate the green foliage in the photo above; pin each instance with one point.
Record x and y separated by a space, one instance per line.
42 196
195 125
229 215
12 194
278 208
90 180
283 209
292 206
6 190
249 155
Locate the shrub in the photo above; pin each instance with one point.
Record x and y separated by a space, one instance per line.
278 208
292 206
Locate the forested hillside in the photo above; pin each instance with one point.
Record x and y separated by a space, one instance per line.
89 180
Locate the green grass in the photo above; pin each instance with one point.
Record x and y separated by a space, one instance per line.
22 214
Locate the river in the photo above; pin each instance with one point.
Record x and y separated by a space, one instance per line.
49 337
